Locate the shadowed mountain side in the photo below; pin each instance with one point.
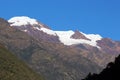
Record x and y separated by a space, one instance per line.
13 69
111 72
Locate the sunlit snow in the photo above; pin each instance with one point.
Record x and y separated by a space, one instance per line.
22 20
45 30
64 36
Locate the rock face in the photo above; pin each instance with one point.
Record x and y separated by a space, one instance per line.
109 46
45 51
78 35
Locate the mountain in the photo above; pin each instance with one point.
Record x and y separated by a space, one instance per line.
33 28
54 60
111 72
11 68
90 44
58 55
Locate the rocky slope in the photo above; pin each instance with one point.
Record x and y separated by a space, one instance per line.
12 68
111 72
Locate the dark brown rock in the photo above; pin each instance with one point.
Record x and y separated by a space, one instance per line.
78 35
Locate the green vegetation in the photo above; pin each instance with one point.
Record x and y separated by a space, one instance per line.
12 68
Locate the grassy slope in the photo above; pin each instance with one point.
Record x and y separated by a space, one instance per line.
13 69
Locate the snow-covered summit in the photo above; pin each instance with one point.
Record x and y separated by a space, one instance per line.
65 37
22 20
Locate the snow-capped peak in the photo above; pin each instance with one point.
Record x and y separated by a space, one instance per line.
22 20
65 37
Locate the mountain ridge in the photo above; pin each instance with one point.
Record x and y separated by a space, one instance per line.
64 37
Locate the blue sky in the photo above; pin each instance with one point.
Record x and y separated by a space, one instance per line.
89 16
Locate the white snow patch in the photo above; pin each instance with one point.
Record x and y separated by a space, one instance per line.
25 30
48 31
22 20
37 28
92 37
45 30
65 38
